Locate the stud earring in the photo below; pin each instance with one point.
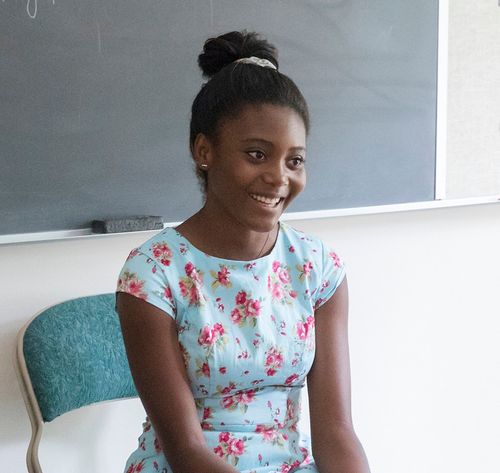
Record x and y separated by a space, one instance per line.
204 166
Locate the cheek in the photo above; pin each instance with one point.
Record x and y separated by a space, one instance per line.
299 183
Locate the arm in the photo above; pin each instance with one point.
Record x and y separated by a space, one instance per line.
335 446
159 374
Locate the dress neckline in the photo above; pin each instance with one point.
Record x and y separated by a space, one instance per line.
233 261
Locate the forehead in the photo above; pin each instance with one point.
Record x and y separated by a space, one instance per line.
265 121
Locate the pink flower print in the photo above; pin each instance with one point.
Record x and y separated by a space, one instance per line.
230 387
207 336
305 330
277 291
273 361
302 330
218 451
131 284
211 336
306 459
221 277
136 467
230 447
271 433
288 467
241 400
245 397
268 432
228 402
293 377
236 446
222 370
292 414
279 284
291 249
304 270
246 308
191 284
241 298
219 328
236 315
224 437
207 413
335 259
162 252
133 253
146 425
190 270
283 275
157 446
220 305
252 308
203 368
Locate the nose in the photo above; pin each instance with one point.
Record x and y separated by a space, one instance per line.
276 175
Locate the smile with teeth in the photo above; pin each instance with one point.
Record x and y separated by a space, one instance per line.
271 202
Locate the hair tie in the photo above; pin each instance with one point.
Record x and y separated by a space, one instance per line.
257 61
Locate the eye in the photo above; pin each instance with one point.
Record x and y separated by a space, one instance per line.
257 155
297 161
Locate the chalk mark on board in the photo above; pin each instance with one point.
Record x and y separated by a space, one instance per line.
35 7
99 37
35 3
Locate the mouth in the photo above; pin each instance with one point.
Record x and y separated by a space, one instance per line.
267 201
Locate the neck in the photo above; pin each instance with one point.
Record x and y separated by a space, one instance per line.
216 237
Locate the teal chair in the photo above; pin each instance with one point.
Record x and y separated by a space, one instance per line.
68 356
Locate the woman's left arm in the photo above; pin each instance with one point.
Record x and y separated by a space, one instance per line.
335 446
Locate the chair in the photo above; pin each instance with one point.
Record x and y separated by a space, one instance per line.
68 356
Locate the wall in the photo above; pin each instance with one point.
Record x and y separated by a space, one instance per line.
473 167
424 331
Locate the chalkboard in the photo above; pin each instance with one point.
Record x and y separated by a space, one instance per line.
96 96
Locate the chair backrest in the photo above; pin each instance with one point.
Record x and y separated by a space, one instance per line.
75 355
68 356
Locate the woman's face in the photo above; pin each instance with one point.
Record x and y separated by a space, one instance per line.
256 166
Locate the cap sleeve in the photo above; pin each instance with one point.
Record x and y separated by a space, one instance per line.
144 278
332 274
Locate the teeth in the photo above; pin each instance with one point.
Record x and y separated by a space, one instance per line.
265 200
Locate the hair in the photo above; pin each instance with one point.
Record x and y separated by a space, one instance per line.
232 86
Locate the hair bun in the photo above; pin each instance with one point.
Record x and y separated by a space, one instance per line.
224 49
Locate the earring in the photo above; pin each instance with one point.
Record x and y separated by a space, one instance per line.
204 166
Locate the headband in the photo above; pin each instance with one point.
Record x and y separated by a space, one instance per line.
257 61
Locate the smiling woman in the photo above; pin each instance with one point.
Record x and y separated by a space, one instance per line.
226 316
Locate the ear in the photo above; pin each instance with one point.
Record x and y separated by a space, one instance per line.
202 150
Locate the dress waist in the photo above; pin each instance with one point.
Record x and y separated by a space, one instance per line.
269 407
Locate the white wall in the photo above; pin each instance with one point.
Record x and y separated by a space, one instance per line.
424 332
473 167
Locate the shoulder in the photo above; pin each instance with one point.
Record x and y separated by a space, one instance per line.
305 245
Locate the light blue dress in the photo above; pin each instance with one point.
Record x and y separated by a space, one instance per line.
246 332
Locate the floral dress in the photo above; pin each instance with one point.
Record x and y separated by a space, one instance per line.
246 332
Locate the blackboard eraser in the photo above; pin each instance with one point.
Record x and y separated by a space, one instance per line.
127 224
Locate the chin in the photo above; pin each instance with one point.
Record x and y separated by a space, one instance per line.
263 225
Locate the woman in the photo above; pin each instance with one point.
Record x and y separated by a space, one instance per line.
226 315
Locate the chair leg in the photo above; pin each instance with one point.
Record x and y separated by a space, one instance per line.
32 454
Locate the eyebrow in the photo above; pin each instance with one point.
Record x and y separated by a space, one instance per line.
269 143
